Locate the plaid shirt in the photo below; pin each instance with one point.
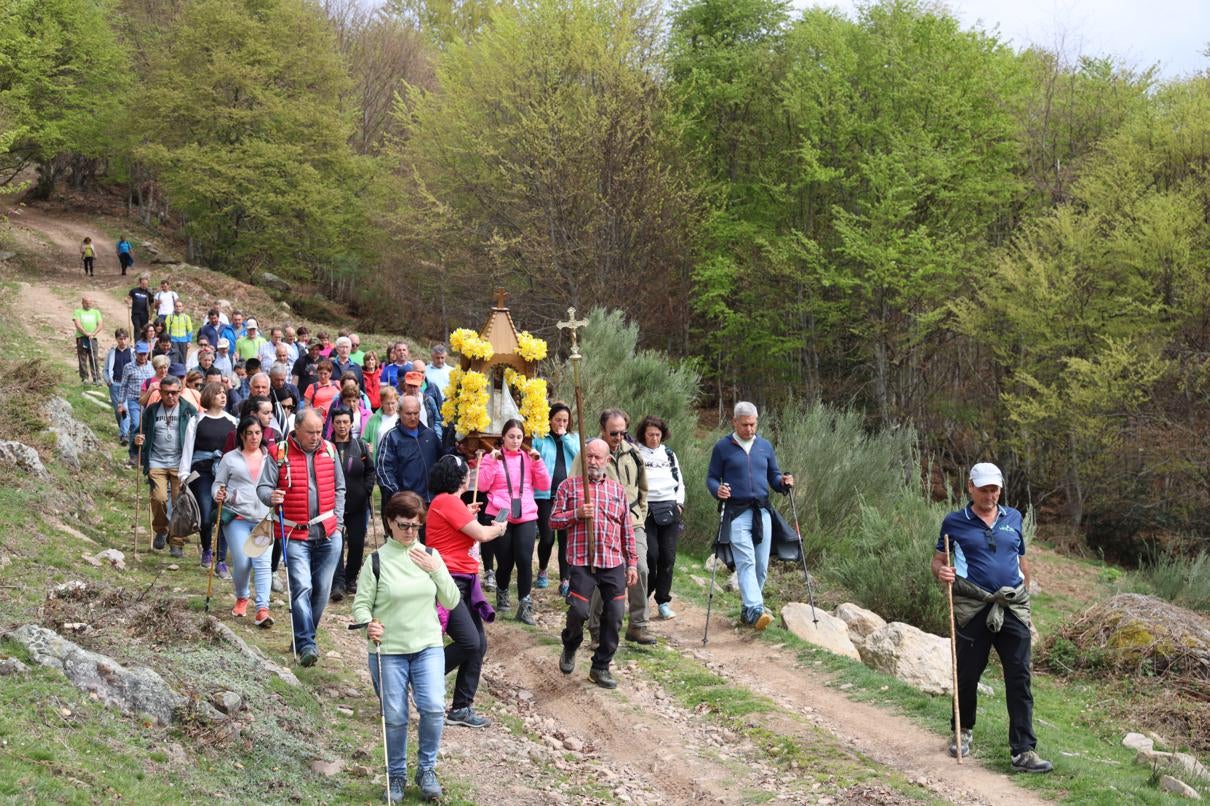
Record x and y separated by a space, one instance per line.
133 376
610 525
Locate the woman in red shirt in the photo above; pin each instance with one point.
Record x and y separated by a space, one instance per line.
320 394
451 529
373 384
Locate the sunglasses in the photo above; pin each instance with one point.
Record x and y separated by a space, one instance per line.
407 526
166 392
616 433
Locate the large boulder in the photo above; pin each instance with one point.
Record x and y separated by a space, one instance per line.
861 622
830 633
23 457
918 658
137 691
72 437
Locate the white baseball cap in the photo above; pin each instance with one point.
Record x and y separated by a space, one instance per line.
251 325
986 473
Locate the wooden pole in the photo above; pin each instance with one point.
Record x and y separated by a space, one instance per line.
949 595
573 326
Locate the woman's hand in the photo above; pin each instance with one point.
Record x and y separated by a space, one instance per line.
374 630
221 495
474 507
533 454
496 454
427 562
500 528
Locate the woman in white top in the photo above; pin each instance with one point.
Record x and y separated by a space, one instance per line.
202 448
665 508
235 486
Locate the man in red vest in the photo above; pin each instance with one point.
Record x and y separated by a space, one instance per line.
306 487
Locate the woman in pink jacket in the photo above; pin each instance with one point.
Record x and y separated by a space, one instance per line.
510 474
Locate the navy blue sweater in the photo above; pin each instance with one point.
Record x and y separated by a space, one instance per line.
751 475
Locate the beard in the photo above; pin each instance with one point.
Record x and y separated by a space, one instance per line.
595 474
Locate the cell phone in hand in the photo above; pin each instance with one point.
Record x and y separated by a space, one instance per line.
501 516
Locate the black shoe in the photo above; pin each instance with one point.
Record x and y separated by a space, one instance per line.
309 657
594 640
176 551
503 601
567 660
161 540
602 678
525 611
337 593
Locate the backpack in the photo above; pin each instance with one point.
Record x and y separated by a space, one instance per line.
186 515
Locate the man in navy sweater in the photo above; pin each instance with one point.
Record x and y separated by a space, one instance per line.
743 468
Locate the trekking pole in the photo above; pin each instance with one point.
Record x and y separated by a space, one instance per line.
802 552
949 595
722 510
214 556
134 522
382 701
285 558
92 359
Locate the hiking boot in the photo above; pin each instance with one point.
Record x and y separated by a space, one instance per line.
337 593
967 735
503 600
762 621
1029 761
241 608
666 612
309 657
131 462
176 551
161 540
222 571
567 660
543 581
525 611
565 588
277 584
594 640
466 717
123 441
639 635
207 558
395 789
263 619
602 678
489 581
430 788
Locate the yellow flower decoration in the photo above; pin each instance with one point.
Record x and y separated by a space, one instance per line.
472 404
468 343
530 347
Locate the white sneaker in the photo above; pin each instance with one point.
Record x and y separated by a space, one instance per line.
666 611
278 584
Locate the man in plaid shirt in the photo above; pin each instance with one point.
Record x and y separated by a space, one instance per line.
611 569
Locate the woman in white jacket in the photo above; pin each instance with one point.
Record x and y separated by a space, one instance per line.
665 508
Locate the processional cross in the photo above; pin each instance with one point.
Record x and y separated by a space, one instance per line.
573 326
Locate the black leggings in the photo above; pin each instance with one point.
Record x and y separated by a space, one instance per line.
346 572
516 548
547 538
661 558
468 646
201 488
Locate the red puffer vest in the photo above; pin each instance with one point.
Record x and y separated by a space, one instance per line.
292 477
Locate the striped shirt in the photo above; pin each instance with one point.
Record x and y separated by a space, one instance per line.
610 524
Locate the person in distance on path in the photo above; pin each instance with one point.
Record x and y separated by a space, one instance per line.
990 576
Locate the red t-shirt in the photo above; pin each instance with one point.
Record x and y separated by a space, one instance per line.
447 515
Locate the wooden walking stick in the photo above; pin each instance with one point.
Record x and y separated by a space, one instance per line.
134 522
572 325
949 595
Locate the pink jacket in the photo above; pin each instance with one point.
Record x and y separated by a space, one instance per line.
493 482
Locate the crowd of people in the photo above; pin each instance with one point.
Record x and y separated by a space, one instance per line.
284 441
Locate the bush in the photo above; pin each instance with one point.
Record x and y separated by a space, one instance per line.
1178 579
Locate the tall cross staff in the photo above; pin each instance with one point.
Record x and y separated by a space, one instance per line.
572 325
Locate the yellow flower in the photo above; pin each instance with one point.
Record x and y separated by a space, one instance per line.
530 347
472 404
468 343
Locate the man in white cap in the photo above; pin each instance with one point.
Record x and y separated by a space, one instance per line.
248 346
222 358
990 575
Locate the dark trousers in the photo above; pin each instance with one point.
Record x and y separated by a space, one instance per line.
515 548
126 260
1012 644
138 321
547 537
611 583
468 647
661 558
201 487
86 357
88 264
348 570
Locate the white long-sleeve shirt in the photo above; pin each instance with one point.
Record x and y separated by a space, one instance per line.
662 485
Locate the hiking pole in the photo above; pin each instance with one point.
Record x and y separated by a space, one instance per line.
134 522
382 701
722 510
949 595
218 520
802 553
285 558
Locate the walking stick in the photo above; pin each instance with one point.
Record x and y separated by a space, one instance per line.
382 702
802 552
218 520
722 510
134 522
573 326
949 595
285 558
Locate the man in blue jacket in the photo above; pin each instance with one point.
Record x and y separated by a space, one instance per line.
743 468
407 453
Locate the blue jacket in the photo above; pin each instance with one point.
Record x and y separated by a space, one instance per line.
546 447
212 334
403 462
751 475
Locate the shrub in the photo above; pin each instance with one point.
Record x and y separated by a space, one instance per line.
1179 579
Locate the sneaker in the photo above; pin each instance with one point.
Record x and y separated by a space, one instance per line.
565 588
567 660
161 540
430 787
1029 761
123 441
223 571
395 790
489 581
466 717
602 678
762 621
176 551
309 657
241 608
503 600
967 735
525 611
131 463
666 611
639 635
263 619
207 558
336 593
278 584
542 581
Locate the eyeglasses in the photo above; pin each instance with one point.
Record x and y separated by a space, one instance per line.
166 392
407 526
617 433
287 405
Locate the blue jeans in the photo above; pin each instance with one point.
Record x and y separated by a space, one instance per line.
425 670
751 562
134 413
123 420
310 564
242 566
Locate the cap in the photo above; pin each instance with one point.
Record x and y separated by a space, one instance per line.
142 347
224 343
177 369
986 473
250 325
413 377
258 541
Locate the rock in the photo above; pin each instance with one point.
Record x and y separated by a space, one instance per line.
7 255
68 590
713 561
573 744
72 437
917 658
327 768
12 666
174 567
135 691
354 693
1177 787
272 280
1137 741
115 558
226 634
22 457
732 583
5 561
831 633
861 622
176 754
340 709
229 702
985 689
1182 763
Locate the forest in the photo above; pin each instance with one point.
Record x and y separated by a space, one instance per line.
1004 250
